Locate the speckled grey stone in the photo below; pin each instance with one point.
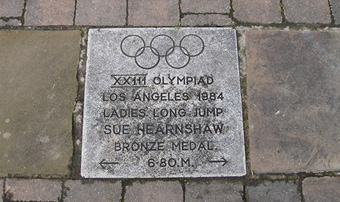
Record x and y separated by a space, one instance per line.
169 147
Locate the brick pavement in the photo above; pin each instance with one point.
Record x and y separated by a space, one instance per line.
289 56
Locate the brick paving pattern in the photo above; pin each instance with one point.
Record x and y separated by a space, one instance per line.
321 189
317 11
273 191
33 189
160 191
293 101
213 190
290 79
89 191
257 11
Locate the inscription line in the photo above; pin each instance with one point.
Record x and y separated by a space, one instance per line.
128 86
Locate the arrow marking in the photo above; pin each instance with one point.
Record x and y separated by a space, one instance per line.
102 163
219 161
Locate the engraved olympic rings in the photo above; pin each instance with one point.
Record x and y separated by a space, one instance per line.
162 46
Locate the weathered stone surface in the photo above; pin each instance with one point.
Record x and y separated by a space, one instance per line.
148 87
273 191
213 190
1 189
202 6
160 191
89 191
49 12
293 98
101 12
11 8
153 13
307 11
335 5
206 20
33 189
321 189
257 11
11 22
37 89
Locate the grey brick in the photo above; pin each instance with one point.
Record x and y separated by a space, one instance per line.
160 191
33 189
101 12
273 191
206 20
213 190
11 8
89 191
321 189
153 13
204 6
307 11
257 11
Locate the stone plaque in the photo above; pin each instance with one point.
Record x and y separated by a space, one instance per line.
162 103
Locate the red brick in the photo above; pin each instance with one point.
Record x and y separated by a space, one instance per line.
101 12
273 191
33 189
204 6
49 12
257 11
11 8
293 83
160 191
321 189
206 20
89 191
307 11
213 190
153 13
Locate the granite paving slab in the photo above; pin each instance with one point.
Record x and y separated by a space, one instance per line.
162 102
